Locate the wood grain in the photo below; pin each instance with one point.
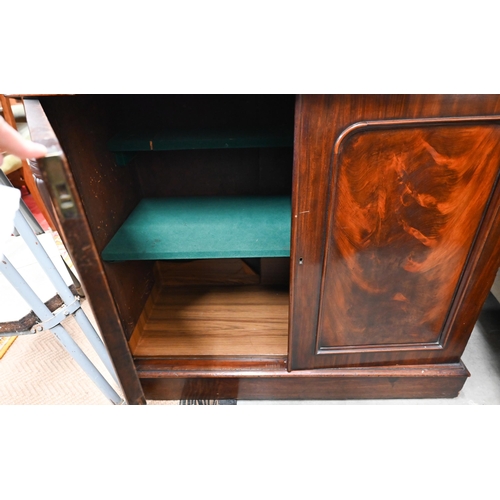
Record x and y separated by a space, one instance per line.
406 209
320 121
214 321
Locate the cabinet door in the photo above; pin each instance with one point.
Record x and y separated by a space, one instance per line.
396 209
59 187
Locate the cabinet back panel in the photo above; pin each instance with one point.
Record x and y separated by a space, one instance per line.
213 172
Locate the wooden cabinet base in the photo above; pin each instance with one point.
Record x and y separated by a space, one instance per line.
399 382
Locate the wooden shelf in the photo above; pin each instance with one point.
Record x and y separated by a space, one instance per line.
204 228
168 140
213 321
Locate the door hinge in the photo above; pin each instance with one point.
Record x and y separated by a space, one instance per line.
58 185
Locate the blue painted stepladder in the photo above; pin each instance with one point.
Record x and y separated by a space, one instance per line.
26 226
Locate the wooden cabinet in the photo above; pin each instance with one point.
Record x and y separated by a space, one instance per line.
396 209
279 247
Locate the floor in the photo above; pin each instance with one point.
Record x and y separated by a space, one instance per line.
36 370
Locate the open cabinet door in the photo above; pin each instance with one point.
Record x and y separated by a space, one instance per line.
398 269
71 221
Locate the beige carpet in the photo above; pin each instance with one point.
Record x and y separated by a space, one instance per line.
36 370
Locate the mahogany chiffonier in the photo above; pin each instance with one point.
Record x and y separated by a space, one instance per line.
278 246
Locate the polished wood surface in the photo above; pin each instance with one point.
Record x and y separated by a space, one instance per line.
213 321
326 127
405 209
424 381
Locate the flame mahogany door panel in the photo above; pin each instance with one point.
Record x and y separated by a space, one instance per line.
406 253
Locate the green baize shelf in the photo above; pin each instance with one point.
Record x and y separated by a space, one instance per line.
204 228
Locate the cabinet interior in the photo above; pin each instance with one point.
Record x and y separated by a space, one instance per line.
211 217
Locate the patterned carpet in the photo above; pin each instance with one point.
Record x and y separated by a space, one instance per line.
37 370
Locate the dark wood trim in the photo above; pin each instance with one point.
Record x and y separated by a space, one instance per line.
83 251
478 278
157 367
370 124
425 381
